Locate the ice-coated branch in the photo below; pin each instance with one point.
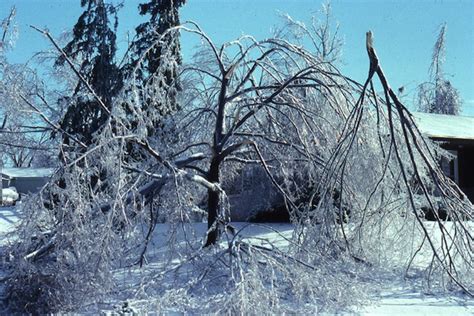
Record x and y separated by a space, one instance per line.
78 74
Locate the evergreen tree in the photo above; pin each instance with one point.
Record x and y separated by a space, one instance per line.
156 57
93 46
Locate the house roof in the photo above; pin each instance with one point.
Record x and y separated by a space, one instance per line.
445 126
27 172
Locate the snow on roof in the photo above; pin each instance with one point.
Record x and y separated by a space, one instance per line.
27 172
445 126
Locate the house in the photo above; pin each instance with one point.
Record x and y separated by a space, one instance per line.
253 194
455 134
25 180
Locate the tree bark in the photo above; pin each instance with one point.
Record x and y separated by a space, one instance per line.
212 203
1 179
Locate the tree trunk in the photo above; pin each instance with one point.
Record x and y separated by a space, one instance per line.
212 203
1 180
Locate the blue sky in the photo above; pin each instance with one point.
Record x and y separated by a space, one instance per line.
405 31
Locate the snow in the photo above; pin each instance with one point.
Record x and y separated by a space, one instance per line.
417 305
28 172
397 297
445 126
8 219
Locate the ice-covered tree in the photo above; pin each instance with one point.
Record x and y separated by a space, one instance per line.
24 136
163 15
154 58
438 95
321 34
351 166
93 48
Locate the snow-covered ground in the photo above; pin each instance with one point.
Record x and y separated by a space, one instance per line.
8 218
405 302
398 297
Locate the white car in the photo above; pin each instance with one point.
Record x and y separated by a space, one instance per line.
9 196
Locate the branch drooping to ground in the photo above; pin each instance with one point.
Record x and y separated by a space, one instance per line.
350 166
